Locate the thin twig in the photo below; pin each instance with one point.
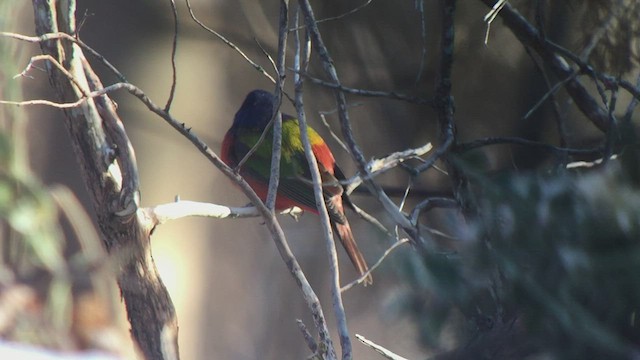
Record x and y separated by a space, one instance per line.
61 35
370 219
549 94
174 48
337 17
371 93
228 43
491 16
57 65
464 147
560 121
364 276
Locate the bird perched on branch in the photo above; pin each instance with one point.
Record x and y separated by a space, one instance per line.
296 185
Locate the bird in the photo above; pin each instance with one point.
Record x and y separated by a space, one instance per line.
296 185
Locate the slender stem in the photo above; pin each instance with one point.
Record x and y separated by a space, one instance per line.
300 60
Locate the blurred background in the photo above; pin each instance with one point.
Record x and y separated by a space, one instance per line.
234 296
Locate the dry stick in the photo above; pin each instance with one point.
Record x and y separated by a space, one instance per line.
345 124
174 48
301 61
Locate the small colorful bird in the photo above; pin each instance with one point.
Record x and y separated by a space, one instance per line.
295 188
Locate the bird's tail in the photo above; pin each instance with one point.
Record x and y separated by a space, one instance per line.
349 243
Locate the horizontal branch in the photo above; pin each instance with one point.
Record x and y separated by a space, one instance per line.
162 213
371 93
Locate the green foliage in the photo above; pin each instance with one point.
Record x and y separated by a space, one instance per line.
552 258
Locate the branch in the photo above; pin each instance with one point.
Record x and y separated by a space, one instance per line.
301 61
